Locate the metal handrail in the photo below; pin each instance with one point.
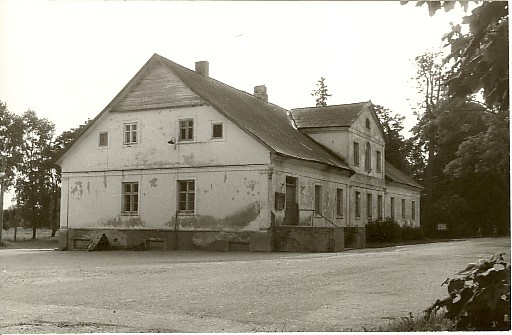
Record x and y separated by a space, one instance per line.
319 214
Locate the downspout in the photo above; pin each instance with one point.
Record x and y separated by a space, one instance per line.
270 189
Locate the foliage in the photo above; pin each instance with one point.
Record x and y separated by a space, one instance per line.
479 298
397 147
11 131
388 230
423 323
321 93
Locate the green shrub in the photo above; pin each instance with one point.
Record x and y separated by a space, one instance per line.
479 298
389 231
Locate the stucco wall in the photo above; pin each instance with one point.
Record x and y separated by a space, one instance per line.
155 129
308 175
399 192
232 199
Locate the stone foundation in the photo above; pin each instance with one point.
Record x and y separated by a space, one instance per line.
143 239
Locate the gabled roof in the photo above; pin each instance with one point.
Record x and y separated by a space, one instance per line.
268 123
329 116
393 174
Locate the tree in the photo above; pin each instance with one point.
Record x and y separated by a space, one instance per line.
397 147
480 59
33 181
321 93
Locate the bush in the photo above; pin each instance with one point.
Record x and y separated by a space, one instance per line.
388 230
479 298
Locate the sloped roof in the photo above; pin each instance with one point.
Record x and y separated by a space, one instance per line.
265 121
268 123
398 176
328 116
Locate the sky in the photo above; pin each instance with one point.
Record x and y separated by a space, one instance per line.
67 60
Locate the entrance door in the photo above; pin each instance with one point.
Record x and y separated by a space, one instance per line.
291 213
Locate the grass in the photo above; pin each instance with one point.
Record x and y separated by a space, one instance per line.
420 323
24 239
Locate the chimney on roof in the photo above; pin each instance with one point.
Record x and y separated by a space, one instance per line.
260 92
203 68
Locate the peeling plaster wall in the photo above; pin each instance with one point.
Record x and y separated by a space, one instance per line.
308 175
226 199
155 129
399 193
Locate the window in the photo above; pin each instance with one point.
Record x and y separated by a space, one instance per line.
369 206
393 208
186 195
130 198
130 133
217 131
318 199
413 210
379 207
368 157
186 130
339 203
358 204
368 125
379 162
356 154
103 139
403 209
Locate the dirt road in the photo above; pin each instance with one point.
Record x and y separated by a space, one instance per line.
157 291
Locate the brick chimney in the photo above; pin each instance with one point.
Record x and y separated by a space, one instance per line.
203 68
260 92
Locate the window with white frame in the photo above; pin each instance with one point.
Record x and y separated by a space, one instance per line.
130 203
186 130
186 196
131 133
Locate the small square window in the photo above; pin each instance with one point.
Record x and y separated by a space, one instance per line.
217 131
103 139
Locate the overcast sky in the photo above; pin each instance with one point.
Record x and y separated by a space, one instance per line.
67 60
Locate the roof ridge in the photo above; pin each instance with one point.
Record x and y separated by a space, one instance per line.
338 105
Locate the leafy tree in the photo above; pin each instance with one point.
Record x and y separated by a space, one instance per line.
33 182
11 130
321 93
480 56
397 147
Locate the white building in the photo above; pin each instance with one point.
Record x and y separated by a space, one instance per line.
179 160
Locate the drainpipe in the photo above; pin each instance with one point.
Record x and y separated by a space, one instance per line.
67 218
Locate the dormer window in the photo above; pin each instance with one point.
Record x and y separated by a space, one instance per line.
368 124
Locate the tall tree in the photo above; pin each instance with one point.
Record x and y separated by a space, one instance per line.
321 93
33 182
397 147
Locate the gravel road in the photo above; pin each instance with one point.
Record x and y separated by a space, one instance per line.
44 291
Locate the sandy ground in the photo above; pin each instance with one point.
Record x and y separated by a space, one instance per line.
46 291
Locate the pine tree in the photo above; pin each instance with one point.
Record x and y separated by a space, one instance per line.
321 93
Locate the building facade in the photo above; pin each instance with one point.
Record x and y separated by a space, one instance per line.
179 160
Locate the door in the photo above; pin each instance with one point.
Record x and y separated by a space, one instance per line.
291 213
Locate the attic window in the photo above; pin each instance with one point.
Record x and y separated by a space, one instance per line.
186 130
130 133
103 139
217 131
368 125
